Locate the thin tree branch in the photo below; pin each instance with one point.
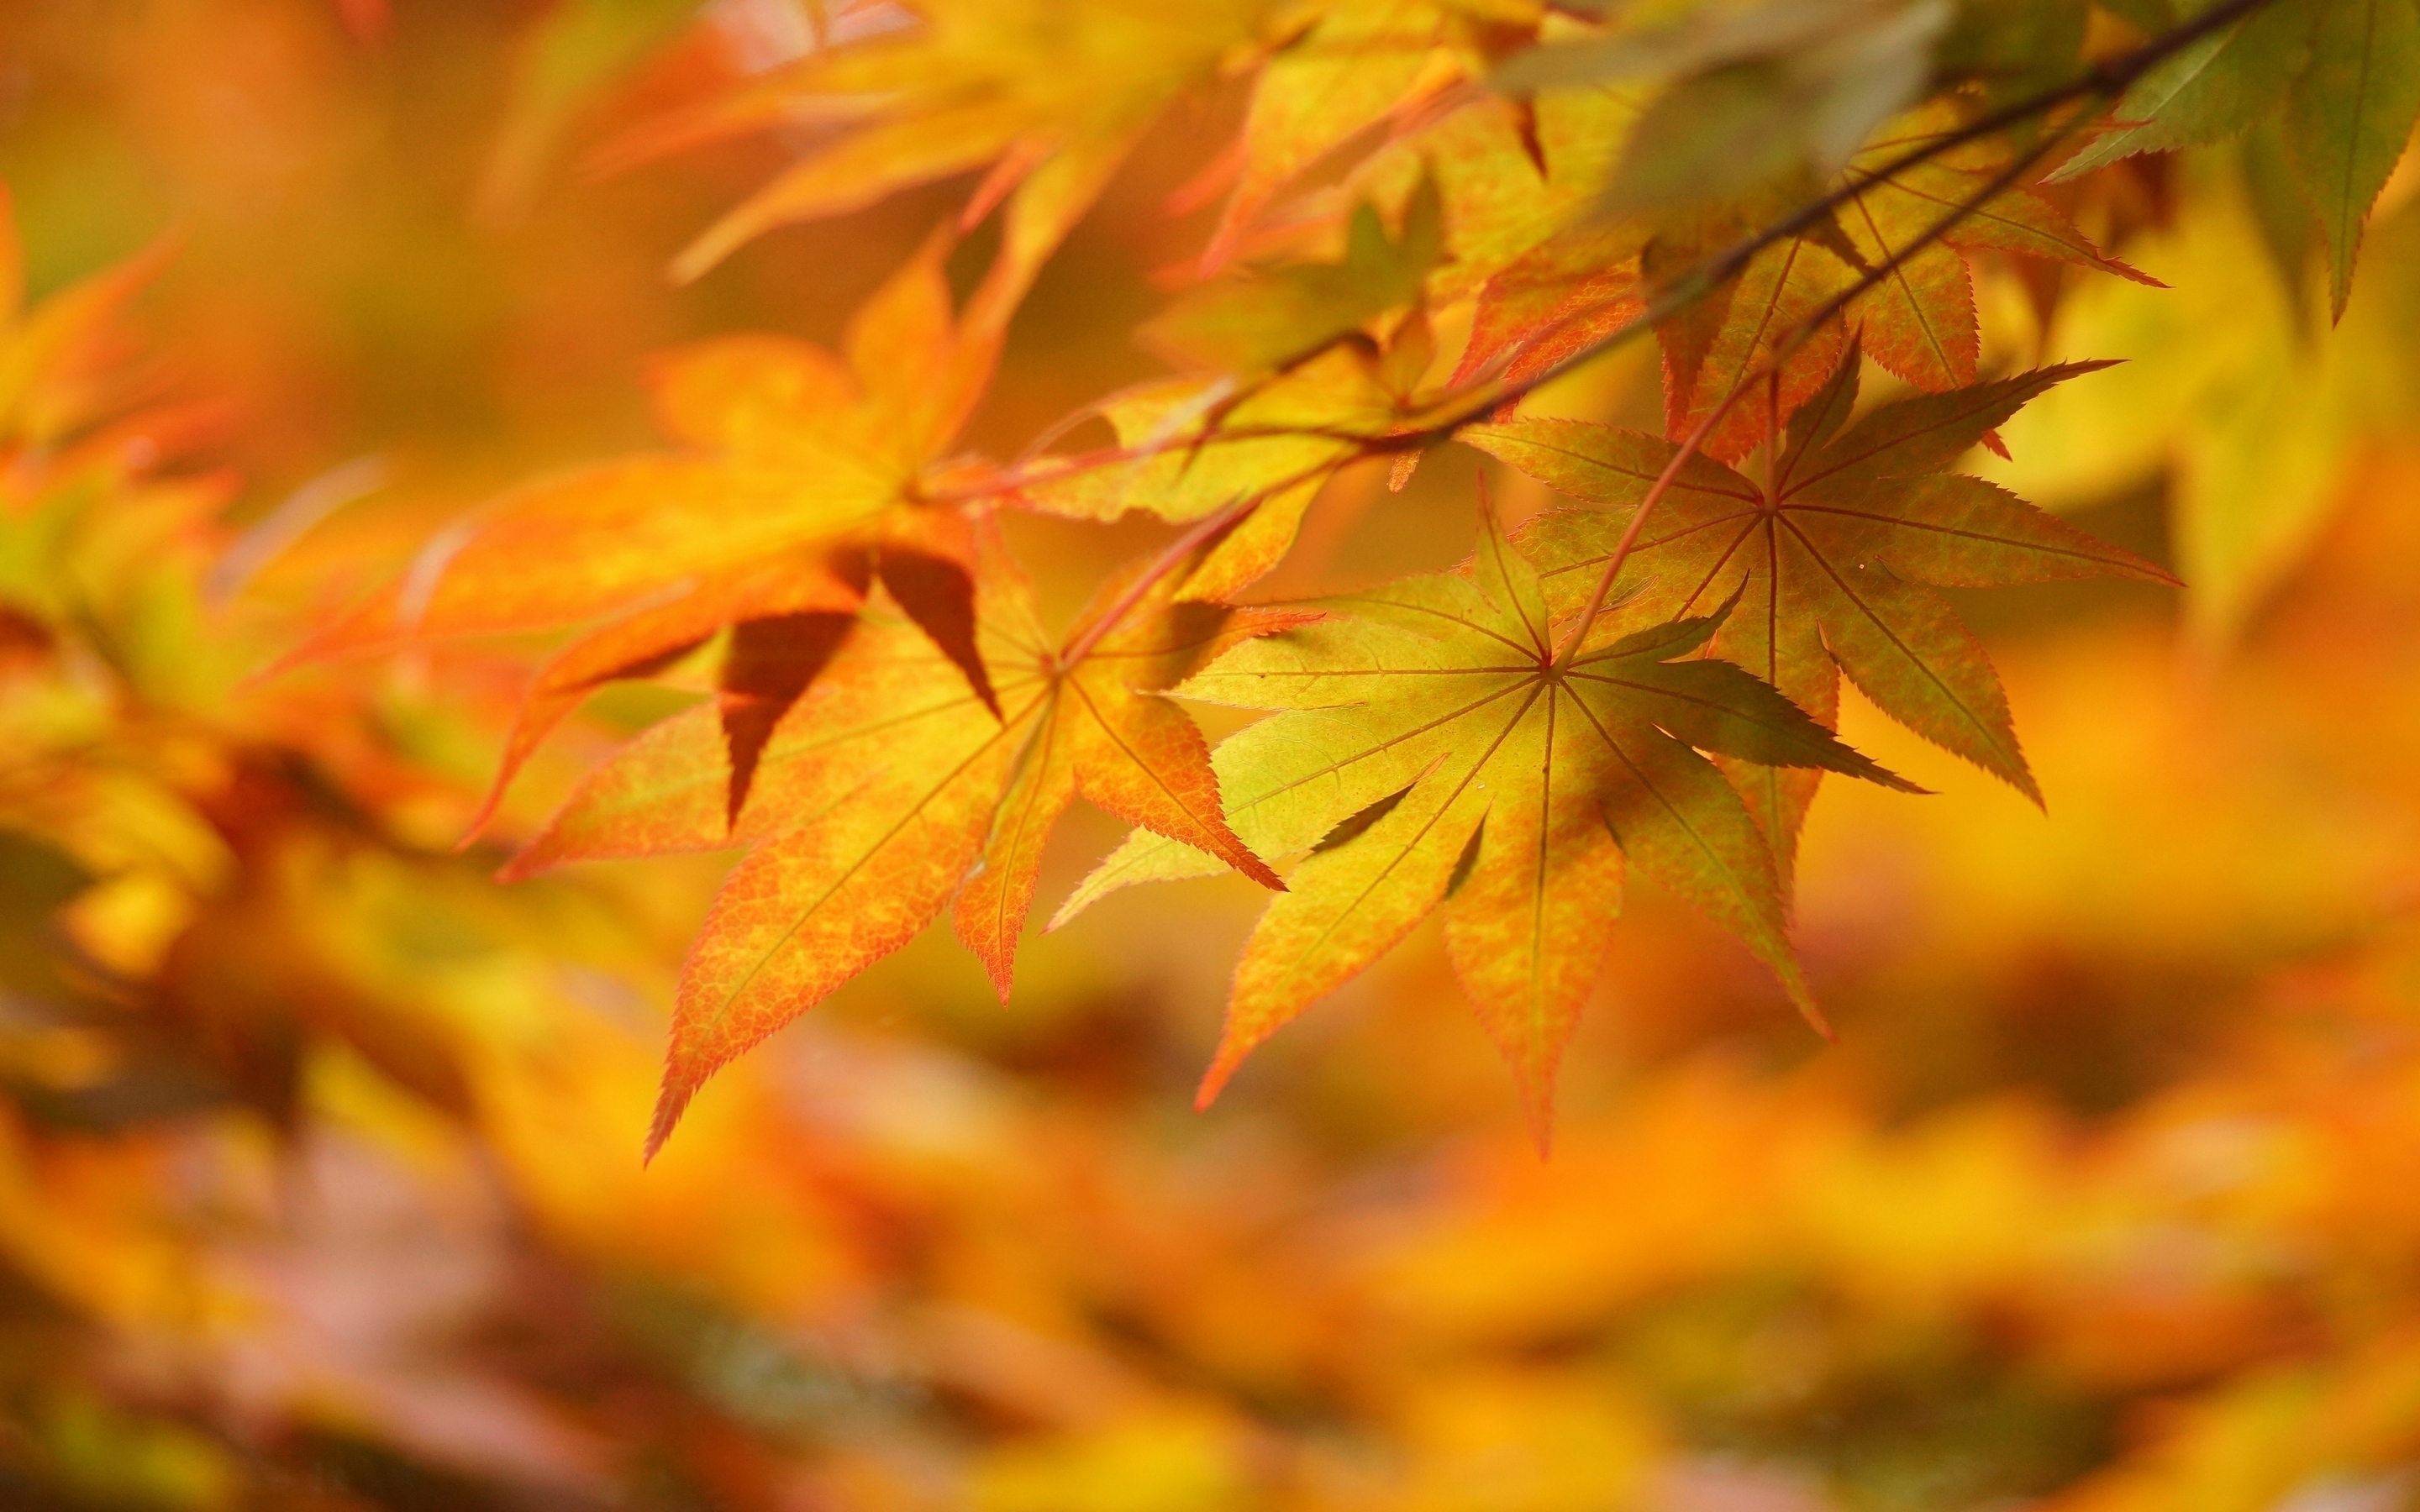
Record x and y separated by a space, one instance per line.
2104 78
1771 368
2107 78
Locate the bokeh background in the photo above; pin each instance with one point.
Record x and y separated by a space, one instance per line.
319 1183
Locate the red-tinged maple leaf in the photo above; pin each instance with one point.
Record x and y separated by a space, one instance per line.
797 483
1430 751
876 792
1522 184
1763 319
1916 318
1554 301
1514 173
1835 558
1919 321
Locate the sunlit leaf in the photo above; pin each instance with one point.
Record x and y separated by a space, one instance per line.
1833 552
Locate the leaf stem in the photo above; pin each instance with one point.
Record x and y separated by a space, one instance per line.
2102 79
2105 78
1204 530
1681 455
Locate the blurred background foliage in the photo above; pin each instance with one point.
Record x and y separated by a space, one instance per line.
318 1176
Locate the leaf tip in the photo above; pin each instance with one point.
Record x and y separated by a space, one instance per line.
672 1100
1883 777
1802 996
484 814
1538 1114
1214 1081
1258 870
1001 967
701 257
1234 1044
525 863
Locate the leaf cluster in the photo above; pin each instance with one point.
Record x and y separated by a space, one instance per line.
1793 196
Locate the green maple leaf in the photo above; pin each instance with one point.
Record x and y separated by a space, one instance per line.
2348 118
2208 91
1835 558
1428 749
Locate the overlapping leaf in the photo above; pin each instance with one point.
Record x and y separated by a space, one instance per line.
1429 750
1309 387
1522 183
2208 91
1904 230
2342 77
1835 558
796 485
1046 95
1247 325
1351 66
881 787
1896 247
2349 118
57 358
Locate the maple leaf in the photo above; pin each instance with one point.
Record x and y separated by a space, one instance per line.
2208 91
1523 184
1588 278
1835 558
1049 95
1190 448
1555 301
881 789
1915 223
1353 65
1430 751
58 360
1511 173
1248 324
799 482
2340 77
2348 118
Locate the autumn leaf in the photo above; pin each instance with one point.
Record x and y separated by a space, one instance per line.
1522 184
2208 91
798 480
57 359
1763 319
1769 93
1428 751
1244 324
576 51
1046 97
1192 448
1554 301
2341 76
1919 221
1355 63
878 787
1835 557
1512 174
2349 118
783 446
